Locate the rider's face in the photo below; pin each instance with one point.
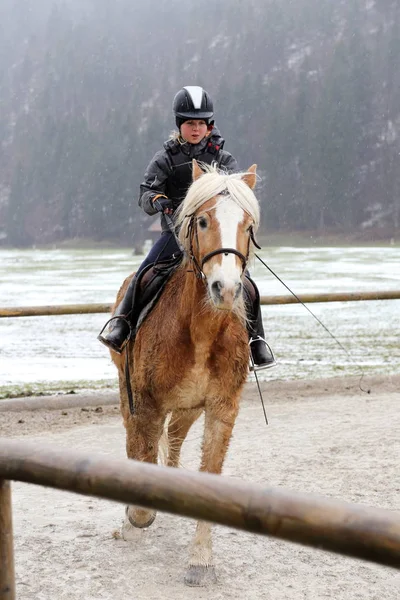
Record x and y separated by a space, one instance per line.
194 131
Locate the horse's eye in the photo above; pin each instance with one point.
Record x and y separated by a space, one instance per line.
202 223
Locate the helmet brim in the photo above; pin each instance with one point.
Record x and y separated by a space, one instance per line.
194 115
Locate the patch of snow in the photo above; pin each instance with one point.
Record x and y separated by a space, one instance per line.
298 55
390 135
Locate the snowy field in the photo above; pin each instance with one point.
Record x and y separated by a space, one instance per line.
50 353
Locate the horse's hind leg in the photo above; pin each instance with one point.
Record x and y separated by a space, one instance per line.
143 432
220 418
179 425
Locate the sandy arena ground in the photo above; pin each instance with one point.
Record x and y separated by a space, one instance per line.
324 436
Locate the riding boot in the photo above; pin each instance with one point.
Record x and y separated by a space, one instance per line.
261 354
121 322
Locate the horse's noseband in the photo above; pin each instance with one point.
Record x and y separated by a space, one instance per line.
225 251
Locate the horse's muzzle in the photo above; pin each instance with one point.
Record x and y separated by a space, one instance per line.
224 297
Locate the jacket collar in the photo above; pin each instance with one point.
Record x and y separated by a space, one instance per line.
194 150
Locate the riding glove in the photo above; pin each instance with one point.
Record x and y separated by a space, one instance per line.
163 204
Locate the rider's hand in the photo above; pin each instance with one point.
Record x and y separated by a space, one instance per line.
164 205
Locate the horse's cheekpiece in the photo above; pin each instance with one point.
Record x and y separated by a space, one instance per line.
192 233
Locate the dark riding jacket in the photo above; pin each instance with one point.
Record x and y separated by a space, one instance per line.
170 170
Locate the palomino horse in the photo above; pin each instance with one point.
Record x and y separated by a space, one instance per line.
191 354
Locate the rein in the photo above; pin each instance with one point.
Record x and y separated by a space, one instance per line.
350 358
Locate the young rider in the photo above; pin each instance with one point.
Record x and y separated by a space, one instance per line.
166 181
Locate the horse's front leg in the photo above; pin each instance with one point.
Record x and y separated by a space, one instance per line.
179 425
143 432
220 418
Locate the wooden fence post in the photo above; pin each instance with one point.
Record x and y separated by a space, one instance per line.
7 577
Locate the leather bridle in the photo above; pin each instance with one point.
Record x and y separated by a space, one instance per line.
192 233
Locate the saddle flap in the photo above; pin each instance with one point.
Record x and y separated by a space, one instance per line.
151 283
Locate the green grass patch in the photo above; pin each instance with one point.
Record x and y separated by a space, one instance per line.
45 388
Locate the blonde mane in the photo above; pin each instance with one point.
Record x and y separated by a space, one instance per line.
211 184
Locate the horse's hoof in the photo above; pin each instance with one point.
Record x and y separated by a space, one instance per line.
200 576
129 533
141 521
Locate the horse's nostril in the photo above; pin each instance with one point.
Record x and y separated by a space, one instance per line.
238 289
216 287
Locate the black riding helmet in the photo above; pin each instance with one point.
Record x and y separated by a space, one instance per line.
192 102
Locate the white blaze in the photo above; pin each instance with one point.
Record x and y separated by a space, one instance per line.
229 215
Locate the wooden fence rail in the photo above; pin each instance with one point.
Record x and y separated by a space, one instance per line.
7 578
350 529
75 309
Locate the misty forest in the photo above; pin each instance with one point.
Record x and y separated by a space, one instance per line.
307 89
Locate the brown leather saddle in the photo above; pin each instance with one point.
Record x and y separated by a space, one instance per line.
149 287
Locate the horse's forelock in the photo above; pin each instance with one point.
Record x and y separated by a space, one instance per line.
211 184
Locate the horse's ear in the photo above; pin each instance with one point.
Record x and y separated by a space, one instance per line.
196 171
250 176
